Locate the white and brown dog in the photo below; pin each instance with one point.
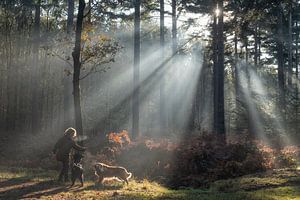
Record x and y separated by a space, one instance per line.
103 171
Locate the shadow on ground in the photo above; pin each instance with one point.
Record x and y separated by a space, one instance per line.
26 187
23 187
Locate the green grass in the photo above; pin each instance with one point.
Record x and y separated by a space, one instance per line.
18 183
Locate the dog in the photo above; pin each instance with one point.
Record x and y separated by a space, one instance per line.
77 169
103 171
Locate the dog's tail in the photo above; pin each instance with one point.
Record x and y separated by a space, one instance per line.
129 175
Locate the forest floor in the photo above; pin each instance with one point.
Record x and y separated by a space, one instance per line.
24 183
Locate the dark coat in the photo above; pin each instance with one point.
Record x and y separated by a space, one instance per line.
63 147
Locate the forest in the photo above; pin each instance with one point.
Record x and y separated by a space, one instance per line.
188 99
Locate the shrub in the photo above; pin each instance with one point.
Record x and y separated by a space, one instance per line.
196 161
206 158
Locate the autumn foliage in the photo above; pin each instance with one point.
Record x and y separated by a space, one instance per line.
119 138
194 161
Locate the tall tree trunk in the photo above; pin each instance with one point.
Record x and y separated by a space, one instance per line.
2 90
248 98
136 71
68 103
281 78
255 46
297 76
70 18
246 50
174 27
67 80
290 56
237 81
89 16
162 110
9 83
259 48
77 66
35 120
172 113
215 71
296 51
221 126
219 115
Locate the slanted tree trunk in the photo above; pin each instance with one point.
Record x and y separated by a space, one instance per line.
77 66
136 71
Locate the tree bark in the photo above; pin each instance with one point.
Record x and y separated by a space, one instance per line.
297 76
237 81
296 52
77 66
174 27
136 72
215 71
162 110
219 115
173 106
89 16
67 80
35 120
70 18
281 78
290 58
256 46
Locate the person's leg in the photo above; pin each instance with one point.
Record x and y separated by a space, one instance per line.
73 178
60 177
66 169
81 178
